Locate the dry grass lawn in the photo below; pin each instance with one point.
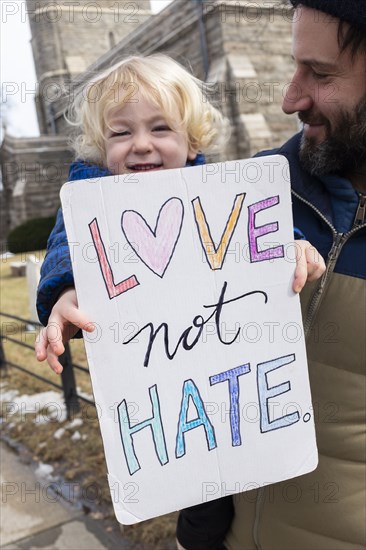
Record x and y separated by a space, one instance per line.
78 459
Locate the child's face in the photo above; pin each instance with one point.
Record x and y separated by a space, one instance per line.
140 139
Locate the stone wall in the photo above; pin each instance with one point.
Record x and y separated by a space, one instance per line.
258 42
67 37
33 171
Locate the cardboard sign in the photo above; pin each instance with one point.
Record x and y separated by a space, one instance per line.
33 271
198 361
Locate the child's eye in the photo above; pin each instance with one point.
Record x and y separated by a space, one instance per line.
121 133
161 128
117 133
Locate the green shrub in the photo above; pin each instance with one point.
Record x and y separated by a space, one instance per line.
31 235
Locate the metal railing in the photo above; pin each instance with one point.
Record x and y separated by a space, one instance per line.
68 383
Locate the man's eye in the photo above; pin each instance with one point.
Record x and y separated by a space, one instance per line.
320 76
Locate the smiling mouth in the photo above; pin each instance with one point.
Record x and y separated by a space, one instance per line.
144 167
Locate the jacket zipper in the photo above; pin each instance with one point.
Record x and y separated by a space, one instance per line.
361 211
339 239
338 242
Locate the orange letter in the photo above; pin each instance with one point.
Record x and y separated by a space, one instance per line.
216 256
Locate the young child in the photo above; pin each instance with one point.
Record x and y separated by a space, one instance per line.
144 114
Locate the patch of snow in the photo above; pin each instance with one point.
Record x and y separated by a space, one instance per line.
49 404
8 395
59 433
74 424
59 415
31 328
75 436
44 471
84 437
89 396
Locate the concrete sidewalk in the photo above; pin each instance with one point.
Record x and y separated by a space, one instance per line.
32 517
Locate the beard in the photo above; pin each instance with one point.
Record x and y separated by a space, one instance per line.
343 149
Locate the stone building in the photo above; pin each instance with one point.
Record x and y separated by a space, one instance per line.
241 47
66 38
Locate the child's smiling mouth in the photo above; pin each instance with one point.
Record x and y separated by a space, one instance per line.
144 167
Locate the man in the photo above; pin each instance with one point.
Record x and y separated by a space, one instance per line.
324 510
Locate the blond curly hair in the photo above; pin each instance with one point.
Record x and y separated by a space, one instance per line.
162 81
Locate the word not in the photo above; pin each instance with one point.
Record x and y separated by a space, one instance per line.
198 322
191 397
250 332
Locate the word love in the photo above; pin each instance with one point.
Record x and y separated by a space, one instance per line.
155 247
192 412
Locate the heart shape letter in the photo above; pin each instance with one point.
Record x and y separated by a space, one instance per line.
155 248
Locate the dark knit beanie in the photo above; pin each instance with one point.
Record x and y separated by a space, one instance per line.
352 11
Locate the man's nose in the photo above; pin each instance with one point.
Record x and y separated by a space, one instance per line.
298 96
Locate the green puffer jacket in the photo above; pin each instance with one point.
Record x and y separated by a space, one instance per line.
324 510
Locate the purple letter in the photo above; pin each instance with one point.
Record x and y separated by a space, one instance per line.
255 232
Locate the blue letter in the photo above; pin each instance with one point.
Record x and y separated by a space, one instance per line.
265 393
232 376
191 390
155 425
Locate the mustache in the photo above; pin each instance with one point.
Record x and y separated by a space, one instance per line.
308 117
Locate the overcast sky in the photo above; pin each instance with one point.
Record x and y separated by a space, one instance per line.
17 68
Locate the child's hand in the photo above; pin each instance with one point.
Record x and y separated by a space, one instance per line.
64 322
309 265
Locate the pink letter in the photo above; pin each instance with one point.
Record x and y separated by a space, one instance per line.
112 289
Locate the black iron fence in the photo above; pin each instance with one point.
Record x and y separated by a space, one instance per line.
68 383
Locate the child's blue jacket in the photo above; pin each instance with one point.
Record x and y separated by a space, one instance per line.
56 271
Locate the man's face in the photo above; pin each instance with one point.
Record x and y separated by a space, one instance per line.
328 91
